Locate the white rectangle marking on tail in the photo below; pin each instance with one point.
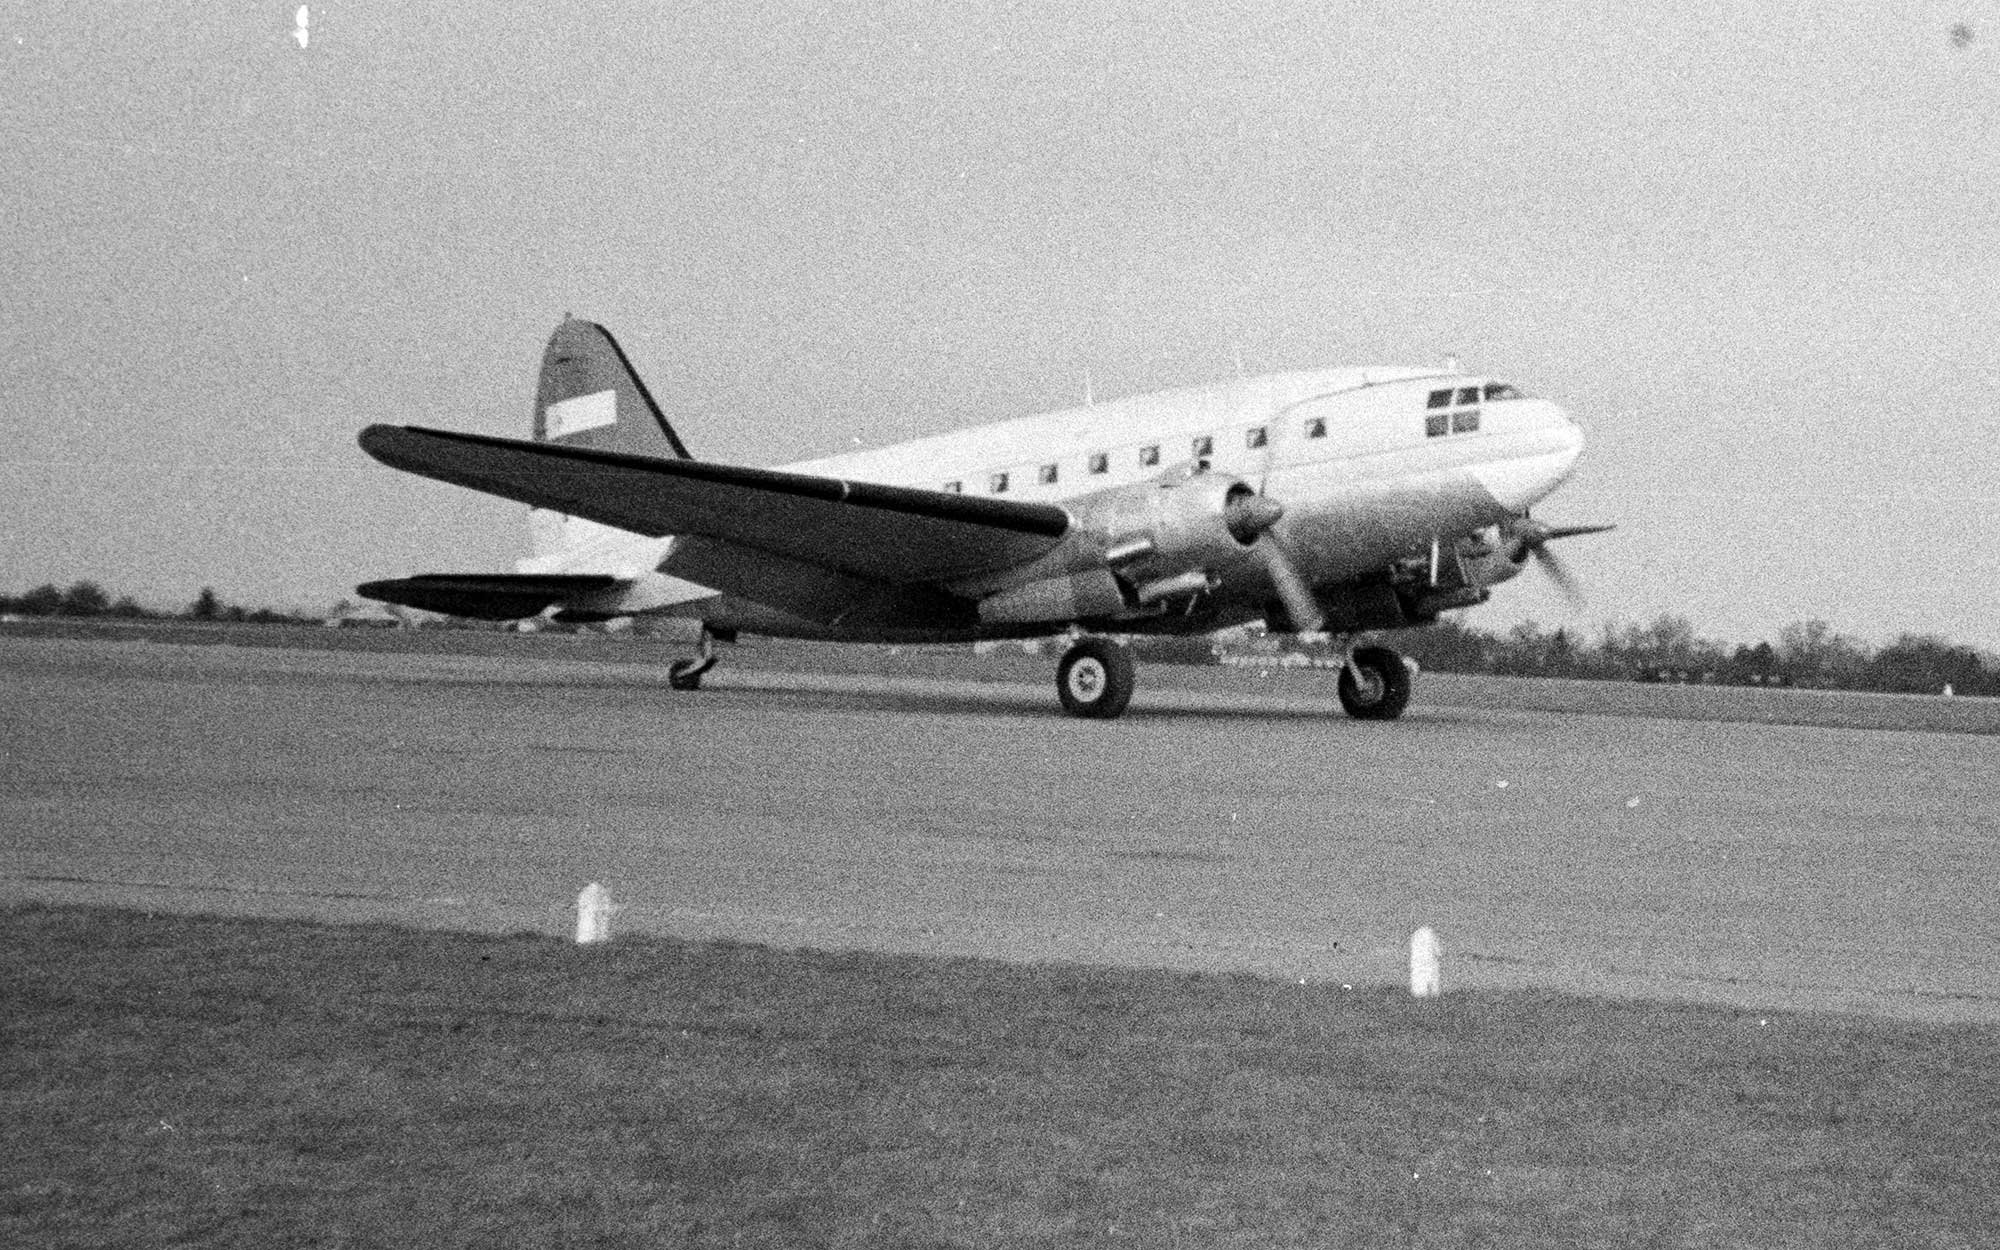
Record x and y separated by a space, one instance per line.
585 412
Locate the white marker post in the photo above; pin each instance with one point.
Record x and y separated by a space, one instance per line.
593 914
1426 964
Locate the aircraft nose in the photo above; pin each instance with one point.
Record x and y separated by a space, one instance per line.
1568 434
1551 443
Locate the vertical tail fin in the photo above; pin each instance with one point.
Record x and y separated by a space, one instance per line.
589 396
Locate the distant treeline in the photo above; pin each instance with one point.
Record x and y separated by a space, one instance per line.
88 599
1807 653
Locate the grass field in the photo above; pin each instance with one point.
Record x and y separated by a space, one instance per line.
198 1081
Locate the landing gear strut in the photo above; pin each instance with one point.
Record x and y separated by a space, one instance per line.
1374 684
1095 678
686 674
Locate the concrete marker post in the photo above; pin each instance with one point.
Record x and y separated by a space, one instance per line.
593 914
1426 964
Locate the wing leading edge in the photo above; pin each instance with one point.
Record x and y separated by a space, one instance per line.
894 535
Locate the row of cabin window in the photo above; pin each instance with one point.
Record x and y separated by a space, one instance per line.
1494 392
1203 446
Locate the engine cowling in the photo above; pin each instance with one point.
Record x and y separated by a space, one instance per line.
1166 534
1132 549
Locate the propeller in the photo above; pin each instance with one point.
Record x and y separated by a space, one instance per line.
1250 517
1278 565
1530 537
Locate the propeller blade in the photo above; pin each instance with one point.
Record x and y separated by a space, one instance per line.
1559 574
1292 589
1550 533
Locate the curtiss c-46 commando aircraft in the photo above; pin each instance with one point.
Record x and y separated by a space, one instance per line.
1339 502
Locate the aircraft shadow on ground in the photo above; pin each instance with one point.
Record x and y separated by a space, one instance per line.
1011 702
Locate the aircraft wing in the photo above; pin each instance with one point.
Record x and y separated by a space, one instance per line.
893 535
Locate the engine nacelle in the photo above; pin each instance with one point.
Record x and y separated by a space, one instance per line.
1133 549
1167 530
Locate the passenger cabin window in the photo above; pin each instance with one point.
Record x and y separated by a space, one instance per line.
1468 394
1204 446
955 487
1149 456
1439 399
1316 428
999 483
1464 422
1048 474
1255 437
1100 462
1437 425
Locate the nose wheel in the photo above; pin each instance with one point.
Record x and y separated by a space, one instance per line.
1095 679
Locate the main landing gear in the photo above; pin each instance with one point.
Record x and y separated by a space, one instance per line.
1095 678
1095 681
1374 684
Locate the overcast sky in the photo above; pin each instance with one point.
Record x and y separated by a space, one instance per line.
1752 246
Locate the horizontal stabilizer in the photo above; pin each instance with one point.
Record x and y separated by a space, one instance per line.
893 534
486 596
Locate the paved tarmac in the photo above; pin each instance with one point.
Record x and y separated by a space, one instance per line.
1243 825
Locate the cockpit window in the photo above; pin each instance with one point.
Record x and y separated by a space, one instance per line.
1468 394
1500 390
1439 399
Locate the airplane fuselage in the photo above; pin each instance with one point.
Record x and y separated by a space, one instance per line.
1375 466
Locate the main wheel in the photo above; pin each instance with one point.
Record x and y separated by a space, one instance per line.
1095 678
1384 689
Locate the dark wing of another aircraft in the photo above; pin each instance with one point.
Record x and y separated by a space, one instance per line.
760 523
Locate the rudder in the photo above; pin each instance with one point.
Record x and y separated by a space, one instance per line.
589 396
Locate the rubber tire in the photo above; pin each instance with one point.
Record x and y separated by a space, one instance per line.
1389 690
686 674
1095 679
